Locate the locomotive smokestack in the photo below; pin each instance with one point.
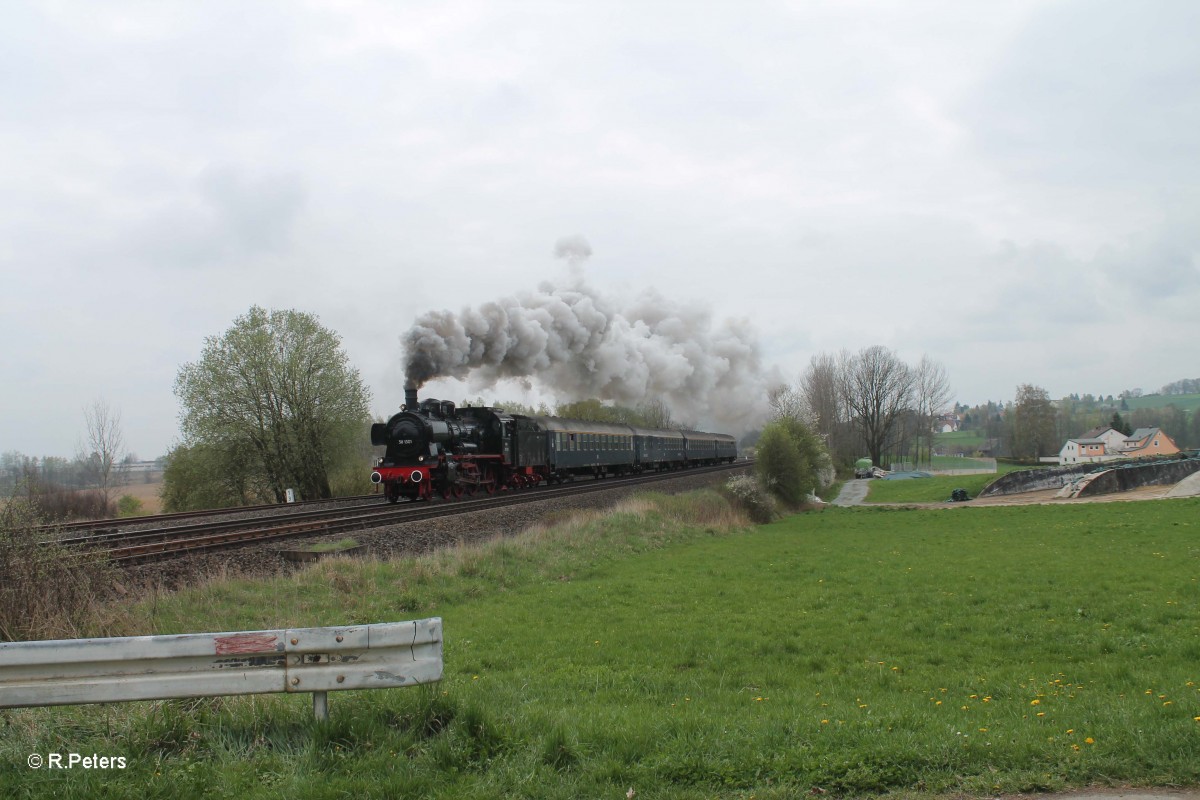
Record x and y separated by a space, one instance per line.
410 397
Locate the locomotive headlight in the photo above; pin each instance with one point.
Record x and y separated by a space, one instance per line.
420 458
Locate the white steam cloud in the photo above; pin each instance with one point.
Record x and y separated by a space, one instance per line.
578 345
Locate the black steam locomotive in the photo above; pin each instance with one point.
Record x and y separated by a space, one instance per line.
434 448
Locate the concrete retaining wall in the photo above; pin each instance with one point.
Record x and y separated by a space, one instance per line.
1163 473
1032 480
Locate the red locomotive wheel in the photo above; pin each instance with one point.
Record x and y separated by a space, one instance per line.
458 491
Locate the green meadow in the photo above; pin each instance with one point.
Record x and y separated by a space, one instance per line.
935 489
669 648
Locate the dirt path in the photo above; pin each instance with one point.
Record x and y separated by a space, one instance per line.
1104 793
852 493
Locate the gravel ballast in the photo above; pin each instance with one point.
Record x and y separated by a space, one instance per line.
408 539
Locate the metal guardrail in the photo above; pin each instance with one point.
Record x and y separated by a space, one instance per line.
317 660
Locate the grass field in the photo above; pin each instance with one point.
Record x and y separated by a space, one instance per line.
855 651
956 463
1185 402
931 490
964 439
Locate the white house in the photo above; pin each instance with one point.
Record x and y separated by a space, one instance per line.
1109 444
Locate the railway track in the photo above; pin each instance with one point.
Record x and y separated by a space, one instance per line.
134 547
116 523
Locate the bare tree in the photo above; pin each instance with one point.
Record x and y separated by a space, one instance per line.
877 387
104 447
821 388
932 392
787 402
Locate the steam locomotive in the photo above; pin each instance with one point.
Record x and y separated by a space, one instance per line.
436 449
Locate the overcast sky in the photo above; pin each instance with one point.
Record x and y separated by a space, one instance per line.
1012 188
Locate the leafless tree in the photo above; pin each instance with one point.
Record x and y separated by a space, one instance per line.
932 392
787 402
876 388
104 447
821 388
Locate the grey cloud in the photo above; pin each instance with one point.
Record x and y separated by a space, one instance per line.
225 213
1096 92
1154 267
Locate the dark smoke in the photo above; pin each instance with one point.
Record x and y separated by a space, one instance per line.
578 344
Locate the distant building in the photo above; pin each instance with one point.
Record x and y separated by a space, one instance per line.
1108 444
1150 442
948 423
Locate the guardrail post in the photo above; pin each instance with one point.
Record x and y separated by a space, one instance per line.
321 706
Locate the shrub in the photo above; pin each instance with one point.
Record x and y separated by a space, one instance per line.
46 591
58 503
129 506
792 462
752 496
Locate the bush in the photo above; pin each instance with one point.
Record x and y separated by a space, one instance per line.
780 467
46 591
752 496
792 462
59 504
129 506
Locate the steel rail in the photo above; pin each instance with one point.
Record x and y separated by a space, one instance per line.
403 514
114 522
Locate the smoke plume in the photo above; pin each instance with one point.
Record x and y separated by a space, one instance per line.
578 344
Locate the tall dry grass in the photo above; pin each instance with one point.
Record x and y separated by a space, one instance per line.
47 591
